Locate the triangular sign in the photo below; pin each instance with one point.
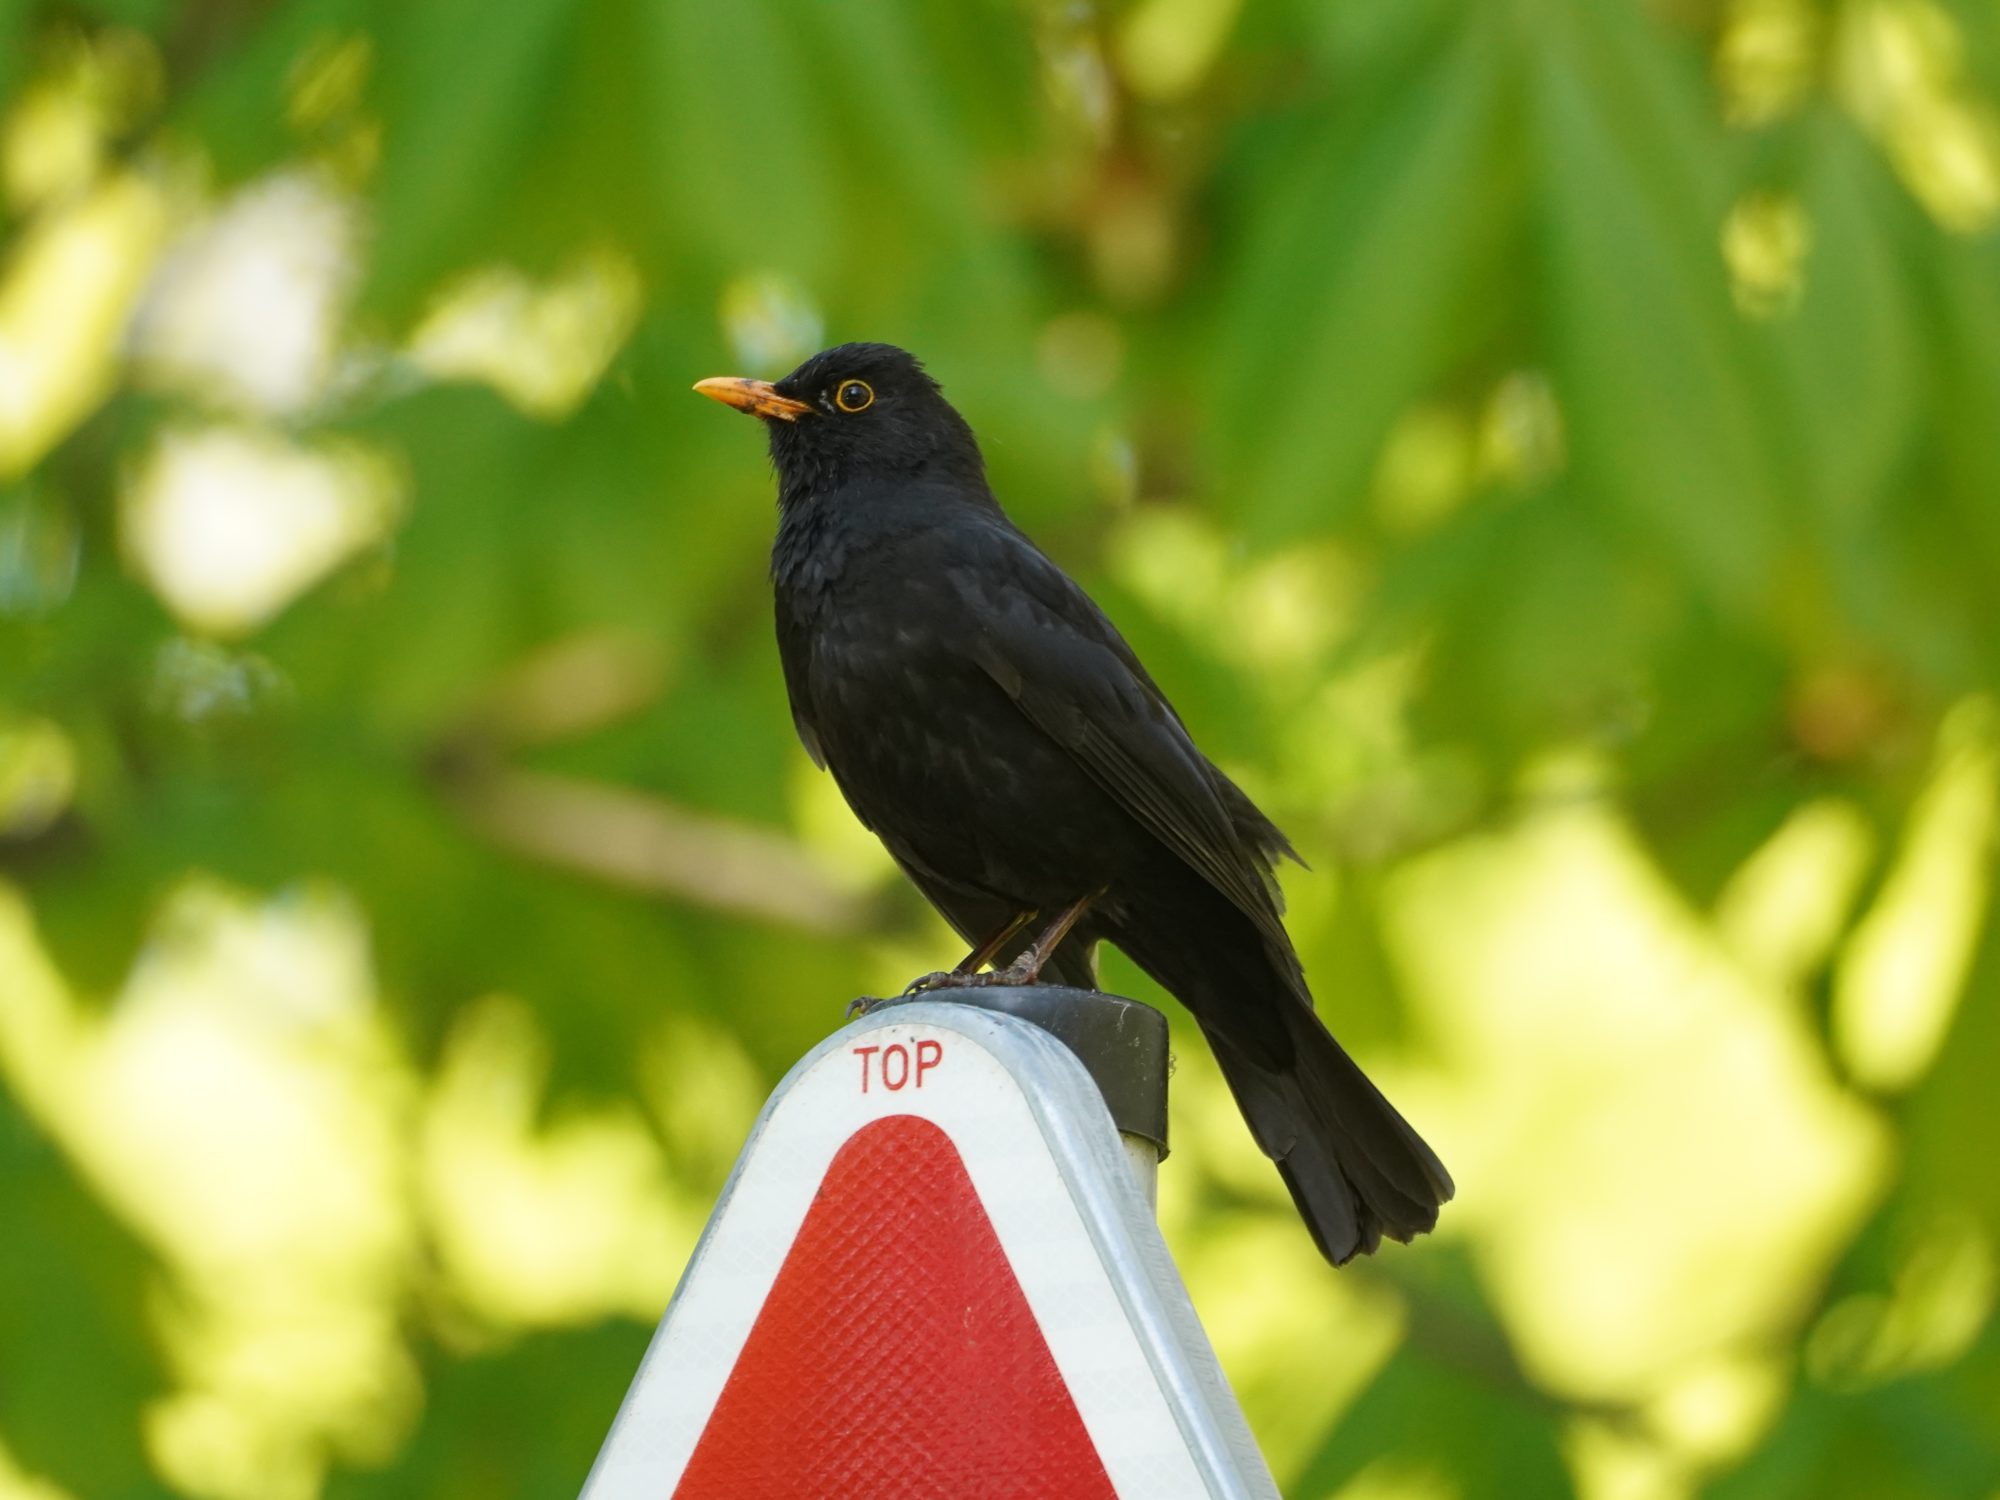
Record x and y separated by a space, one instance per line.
932 1273
896 1278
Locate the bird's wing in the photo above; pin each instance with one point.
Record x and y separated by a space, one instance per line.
1066 667
792 651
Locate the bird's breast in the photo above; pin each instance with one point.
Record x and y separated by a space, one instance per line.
932 754
897 698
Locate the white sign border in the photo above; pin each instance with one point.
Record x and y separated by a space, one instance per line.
1074 1225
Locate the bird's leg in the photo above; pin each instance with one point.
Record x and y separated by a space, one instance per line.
974 961
981 956
1027 969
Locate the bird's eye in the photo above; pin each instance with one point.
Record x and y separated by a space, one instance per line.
854 395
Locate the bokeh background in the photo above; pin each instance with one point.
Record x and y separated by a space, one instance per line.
1549 449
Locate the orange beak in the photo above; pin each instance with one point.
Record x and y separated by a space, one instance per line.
758 397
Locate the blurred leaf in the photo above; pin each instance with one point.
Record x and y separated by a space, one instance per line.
523 1421
1953 1105
1861 384
703 65
1440 1429
1657 386
13 46
1850 351
139 13
1891 1442
877 63
1555 630
75 1363
1355 287
237 99
462 87
1966 319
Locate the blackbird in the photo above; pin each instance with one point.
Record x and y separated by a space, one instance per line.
987 722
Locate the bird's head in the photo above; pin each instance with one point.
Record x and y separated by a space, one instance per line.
854 412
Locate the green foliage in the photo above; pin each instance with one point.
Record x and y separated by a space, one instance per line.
1479 416
526 1420
74 1362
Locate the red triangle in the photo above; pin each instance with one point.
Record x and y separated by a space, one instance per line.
896 1355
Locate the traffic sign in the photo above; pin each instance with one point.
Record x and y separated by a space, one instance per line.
932 1273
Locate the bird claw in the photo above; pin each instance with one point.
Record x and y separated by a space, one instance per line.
946 979
955 979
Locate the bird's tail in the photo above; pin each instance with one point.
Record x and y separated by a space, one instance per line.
1355 1167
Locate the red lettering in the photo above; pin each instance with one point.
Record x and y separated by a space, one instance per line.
864 1053
895 1056
929 1054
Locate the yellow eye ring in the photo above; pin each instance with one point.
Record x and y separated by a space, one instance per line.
854 395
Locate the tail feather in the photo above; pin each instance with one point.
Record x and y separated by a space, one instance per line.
1355 1168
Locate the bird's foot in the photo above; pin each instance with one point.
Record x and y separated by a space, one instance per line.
943 979
958 979
1024 971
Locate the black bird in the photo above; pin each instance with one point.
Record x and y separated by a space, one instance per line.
988 723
